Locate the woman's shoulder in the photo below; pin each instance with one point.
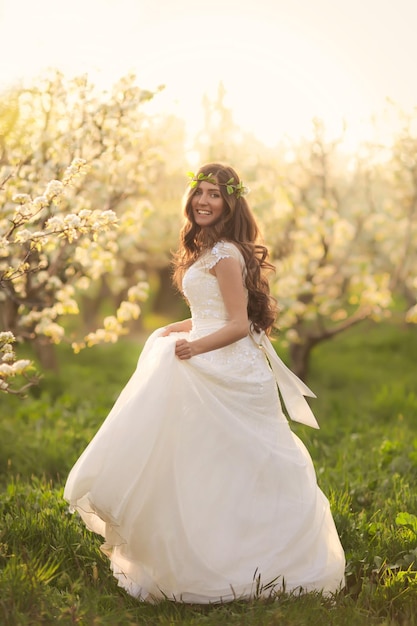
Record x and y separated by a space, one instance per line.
224 249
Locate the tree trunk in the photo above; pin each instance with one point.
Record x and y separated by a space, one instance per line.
300 358
167 300
8 315
46 354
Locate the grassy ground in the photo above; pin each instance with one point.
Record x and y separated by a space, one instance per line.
365 456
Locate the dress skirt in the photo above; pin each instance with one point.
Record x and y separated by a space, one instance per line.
200 489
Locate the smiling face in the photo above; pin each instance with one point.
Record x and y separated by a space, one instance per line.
207 204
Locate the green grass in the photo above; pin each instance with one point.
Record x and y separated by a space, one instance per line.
365 454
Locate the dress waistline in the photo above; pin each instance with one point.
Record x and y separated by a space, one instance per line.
207 324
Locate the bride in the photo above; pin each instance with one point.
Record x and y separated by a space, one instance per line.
200 489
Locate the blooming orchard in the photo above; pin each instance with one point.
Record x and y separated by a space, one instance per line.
89 211
75 165
42 271
336 240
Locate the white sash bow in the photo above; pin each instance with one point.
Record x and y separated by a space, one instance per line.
291 388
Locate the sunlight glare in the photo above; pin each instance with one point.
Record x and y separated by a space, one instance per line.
278 72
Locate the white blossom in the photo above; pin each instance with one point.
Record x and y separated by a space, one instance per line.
54 188
22 236
21 198
55 223
83 283
40 202
23 213
127 311
72 220
138 292
21 365
7 337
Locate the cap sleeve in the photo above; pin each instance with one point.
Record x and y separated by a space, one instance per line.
224 250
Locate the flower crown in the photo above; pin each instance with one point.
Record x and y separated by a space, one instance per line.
230 185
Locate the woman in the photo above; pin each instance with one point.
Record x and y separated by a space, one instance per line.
195 480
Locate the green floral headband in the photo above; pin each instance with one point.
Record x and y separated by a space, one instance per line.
231 188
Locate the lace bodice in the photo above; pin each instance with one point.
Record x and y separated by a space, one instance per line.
208 313
201 287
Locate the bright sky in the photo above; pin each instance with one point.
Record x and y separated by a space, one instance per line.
282 62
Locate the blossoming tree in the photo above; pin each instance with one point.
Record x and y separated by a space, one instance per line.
321 232
396 222
63 228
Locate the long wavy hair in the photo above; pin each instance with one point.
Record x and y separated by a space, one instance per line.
238 225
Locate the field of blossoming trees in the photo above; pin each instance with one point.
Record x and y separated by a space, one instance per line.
90 207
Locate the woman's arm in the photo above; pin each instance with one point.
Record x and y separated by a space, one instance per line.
177 327
229 275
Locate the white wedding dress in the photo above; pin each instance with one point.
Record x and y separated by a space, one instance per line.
195 480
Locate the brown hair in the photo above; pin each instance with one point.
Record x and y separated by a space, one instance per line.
238 225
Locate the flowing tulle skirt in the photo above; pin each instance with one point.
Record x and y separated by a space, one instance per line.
199 487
